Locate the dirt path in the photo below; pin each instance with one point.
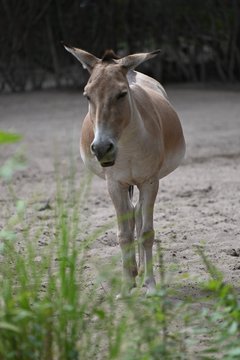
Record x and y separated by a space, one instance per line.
198 203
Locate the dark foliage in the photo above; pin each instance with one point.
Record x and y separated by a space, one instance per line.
200 39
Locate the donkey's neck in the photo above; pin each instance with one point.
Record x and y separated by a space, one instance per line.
135 130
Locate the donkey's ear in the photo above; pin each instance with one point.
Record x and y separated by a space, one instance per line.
87 60
131 61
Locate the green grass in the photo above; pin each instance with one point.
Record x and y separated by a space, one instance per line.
49 311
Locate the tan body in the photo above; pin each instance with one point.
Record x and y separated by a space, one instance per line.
130 136
152 144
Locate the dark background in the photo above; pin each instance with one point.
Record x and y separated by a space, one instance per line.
200 39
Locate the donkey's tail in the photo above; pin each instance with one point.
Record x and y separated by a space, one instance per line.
130 191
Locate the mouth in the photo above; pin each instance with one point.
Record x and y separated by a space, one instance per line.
107 163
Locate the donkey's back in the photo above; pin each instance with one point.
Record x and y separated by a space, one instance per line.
160 120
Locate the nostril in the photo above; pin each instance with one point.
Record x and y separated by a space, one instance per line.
110 147
102 149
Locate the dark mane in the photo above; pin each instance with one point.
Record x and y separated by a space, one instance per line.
109 55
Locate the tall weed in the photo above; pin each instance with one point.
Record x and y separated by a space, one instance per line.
48 309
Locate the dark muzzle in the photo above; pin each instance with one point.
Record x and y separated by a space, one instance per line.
105 152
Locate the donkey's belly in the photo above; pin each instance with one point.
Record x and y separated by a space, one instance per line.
129 170
133 168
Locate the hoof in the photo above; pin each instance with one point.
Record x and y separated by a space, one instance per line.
150 285
134 292
151 292
125 293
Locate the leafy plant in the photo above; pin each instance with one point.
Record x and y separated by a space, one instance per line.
49 310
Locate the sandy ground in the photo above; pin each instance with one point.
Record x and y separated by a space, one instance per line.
198 203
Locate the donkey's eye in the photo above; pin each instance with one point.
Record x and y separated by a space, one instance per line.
121 95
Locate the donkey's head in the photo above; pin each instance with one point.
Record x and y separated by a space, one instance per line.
109 98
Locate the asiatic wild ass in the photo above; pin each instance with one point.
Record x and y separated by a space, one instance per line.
131 136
